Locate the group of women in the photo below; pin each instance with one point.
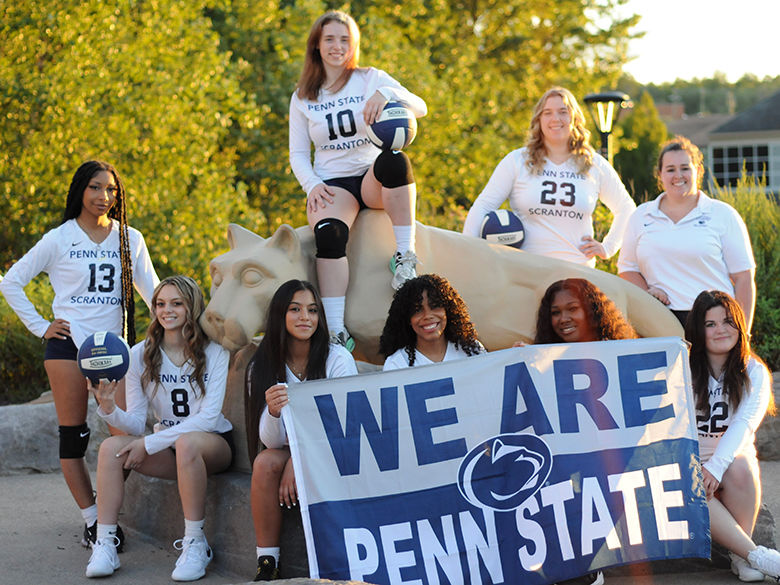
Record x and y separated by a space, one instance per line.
675 247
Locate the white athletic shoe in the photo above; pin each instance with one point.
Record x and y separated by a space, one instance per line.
403 268
194 558
742 569
104 560
766 560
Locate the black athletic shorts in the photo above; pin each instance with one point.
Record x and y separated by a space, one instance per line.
60 349
682 316
351 184
228 436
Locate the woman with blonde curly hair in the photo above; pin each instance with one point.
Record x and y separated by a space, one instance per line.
684 242
428 322
181 375
553 184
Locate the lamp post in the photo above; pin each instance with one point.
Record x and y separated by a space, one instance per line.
605 108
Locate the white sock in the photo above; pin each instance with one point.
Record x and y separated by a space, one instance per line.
89 514
268 551
193 528
105 530
404 238
334 312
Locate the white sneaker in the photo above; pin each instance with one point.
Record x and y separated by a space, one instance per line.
194 558
403 268
766 560
104 560
742 569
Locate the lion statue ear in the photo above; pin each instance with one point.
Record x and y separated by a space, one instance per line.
238 236
286 239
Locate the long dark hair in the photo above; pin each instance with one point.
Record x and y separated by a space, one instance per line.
194 336
603 314
736 382
407 300
268 364
118 211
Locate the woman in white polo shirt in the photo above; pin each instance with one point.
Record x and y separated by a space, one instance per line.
684 242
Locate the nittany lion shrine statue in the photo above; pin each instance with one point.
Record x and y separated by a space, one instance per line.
501 285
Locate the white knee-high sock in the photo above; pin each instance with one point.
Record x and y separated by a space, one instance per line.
404 237
334 312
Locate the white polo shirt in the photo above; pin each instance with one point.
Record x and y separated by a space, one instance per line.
697 253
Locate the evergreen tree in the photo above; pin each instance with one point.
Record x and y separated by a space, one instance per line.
643 132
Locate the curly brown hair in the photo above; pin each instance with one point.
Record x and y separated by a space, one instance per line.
407 300
603 314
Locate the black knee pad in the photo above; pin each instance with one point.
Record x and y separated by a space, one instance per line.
74 441
330 236
393 169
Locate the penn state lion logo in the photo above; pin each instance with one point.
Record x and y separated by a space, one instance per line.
504 471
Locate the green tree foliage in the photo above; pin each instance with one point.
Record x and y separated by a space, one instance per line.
762 217
716 95
480 66
140 84
643 132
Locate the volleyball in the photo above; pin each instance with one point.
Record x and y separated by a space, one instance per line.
104 355
395 128
503 227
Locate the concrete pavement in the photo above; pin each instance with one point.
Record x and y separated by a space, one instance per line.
40 530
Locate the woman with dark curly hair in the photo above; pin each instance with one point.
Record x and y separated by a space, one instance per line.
428 322
575 310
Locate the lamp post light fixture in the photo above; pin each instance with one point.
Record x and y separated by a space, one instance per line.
605 108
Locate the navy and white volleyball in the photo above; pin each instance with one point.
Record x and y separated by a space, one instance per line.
503 227
395 128
104 355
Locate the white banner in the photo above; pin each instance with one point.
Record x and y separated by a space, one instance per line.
529 465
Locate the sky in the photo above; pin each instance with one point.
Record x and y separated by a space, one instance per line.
695 38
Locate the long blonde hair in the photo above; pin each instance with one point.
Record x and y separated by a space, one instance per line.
579 144
313 74
194 337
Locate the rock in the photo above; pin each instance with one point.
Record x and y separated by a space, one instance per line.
768 434
29 436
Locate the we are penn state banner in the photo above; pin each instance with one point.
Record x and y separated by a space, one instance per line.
528 465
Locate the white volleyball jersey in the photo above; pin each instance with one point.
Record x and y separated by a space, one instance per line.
724 433
86 278
334 124
555 204
697 253
400 359
176 400
338 364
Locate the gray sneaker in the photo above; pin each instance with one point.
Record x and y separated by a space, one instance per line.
742 569
403 268
342 338
766 560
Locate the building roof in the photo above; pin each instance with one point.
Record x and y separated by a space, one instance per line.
697 129
765 115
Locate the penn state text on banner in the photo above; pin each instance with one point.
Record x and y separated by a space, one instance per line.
527 465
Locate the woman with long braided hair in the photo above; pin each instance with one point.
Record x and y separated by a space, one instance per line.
93 259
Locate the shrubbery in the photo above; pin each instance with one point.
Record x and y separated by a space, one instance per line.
22 377
762 217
